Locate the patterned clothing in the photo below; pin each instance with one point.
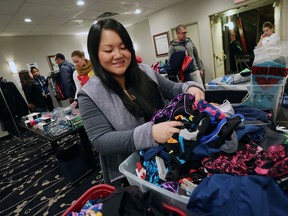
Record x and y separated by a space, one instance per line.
250 159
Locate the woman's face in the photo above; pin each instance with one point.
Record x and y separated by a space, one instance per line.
114 57
35 72
79 62
267 31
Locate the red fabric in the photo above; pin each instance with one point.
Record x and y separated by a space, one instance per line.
139 59
181 75
83 79
187 60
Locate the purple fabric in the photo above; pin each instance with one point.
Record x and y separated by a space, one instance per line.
181 104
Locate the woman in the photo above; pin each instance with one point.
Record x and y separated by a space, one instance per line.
116 105
42 84
34 96
268 36
82 73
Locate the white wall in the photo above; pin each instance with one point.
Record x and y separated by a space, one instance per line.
284 18
142 40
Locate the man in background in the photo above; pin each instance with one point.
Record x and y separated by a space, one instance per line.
184 43
66 73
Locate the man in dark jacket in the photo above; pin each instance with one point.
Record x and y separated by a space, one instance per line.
66 73
184 43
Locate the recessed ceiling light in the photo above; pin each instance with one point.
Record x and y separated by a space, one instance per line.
80 3
28 20
137 11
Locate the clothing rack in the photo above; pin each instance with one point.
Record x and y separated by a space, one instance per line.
9 110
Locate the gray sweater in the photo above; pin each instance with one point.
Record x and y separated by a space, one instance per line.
113 131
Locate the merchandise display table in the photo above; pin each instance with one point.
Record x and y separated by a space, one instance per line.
75 160
55 125
53 139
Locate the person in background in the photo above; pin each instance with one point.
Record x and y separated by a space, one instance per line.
83 72
117 104
269 36
41 82
34 95
184 43
66 73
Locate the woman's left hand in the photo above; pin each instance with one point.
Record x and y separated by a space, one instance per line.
197 93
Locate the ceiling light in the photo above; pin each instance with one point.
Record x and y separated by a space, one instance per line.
137 11
80 3
27 20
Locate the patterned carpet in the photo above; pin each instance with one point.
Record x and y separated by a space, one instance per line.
31 181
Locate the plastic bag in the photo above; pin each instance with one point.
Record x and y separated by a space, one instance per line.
269 73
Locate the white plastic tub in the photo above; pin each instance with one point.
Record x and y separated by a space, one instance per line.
128 168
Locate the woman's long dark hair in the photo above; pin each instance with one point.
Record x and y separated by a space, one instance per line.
25 78
146 91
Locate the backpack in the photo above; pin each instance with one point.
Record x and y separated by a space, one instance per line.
57 85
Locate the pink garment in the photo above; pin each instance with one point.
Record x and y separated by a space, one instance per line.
250 159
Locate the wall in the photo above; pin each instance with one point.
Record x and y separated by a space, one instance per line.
142 40
284 18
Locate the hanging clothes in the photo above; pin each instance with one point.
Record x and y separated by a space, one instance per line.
15 103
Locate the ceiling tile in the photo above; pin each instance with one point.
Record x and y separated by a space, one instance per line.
60 17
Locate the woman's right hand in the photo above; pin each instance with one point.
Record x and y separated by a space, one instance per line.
31 107
263 36
161 132
74 104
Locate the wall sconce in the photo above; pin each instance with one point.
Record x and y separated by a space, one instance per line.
230 25
12 66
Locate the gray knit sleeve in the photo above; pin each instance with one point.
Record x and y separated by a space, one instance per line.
143 138
101 133
105 139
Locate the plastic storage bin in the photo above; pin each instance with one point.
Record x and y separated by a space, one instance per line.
128 168
264 97
104 190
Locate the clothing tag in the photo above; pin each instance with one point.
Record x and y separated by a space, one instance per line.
188 186
161 168
140 171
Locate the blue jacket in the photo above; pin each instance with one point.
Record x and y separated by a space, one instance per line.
42 84
66 73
